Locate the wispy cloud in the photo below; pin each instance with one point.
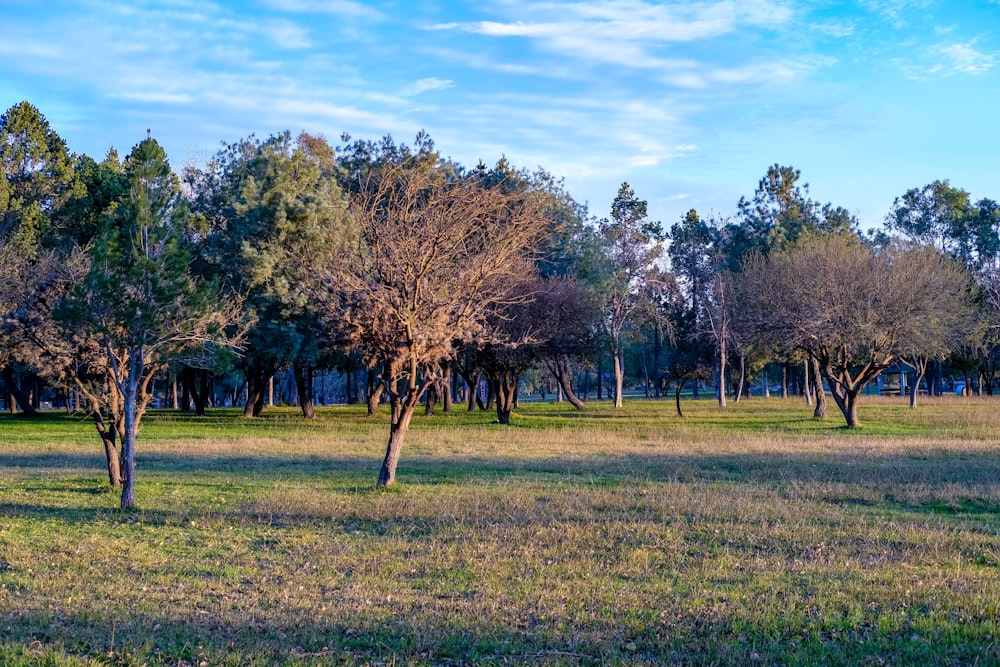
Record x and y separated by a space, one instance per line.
346 8
157 97
963 59
287 34
424 85
626 32
945 60
900 13
836 29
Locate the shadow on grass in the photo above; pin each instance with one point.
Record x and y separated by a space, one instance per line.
951 486
388 635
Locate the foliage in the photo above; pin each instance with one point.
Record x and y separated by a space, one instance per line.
139 305
266 210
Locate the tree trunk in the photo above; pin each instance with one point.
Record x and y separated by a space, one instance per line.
677 397
430 399
722 373
845 394
472 382
491 397
446 388
253 393
186 389
130 399
560 369
17 392
820 411
375 387
402 407
505 387
111 452
784 380
304 387
848 404
919 368
743 376
619 377
806 388
197 382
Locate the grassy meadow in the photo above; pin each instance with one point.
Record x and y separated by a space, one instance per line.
750 535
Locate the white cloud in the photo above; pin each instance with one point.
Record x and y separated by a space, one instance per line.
157 97
287 35
623 32
424 85
834 29
945 60
965 59
347 8
898 12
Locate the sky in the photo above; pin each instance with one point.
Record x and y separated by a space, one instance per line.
689 102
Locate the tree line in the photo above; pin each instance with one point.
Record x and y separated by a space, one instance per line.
289 253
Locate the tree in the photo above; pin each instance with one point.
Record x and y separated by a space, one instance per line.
630 247
953 325
36 180
265 206
698 260
934 215
567 314
852 308
139 305
437 253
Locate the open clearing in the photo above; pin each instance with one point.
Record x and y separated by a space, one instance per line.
751 535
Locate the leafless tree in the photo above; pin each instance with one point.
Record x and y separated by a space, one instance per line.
435 256
853 309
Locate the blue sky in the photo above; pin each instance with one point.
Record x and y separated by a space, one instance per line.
688 101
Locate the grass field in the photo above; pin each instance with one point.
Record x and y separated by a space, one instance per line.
750 535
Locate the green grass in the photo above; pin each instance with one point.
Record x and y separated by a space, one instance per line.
753 535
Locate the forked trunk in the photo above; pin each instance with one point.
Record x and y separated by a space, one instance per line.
304 387
473 397
919 370
197 382
399 423
560 369
505 386
108 438
845 395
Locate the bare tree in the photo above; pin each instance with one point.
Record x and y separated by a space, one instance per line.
853 309
436 254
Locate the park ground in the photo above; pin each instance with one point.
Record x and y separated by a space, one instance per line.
750 535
